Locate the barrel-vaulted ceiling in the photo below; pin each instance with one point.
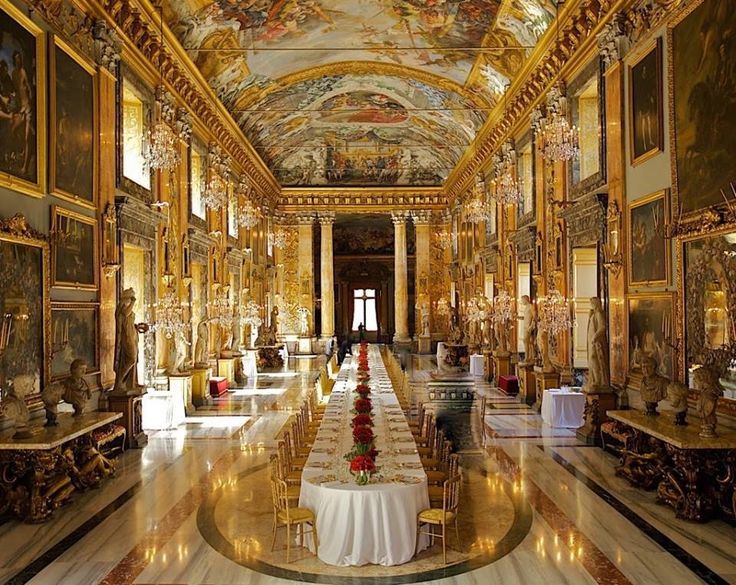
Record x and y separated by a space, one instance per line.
359 92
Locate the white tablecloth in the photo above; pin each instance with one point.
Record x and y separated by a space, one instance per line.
476 365
163 409
376 523
563 409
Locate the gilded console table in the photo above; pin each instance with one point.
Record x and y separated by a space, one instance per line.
695 476
39 474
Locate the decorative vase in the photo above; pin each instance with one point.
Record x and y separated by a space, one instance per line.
362 478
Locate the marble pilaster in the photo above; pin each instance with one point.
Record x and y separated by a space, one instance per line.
327 272
401 289
305 224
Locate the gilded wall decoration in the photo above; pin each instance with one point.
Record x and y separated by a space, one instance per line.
22 102
702 61
646 130
73 136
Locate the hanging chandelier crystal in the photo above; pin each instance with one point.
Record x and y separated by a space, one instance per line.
162 148
508 189
214 196
557 140
554 313
503 307
444 239
221 309
169 312
248 215
279 238
477 210
250 314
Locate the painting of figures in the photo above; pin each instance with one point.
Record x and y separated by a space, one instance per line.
649 249
75 249
650 332
703 60
645 104
72 126
73 336
19 124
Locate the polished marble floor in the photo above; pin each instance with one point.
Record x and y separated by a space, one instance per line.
193 507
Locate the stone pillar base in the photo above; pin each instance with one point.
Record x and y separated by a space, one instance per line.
527 383
543 381
201 387
226 369
131 406
183 381
304 346
597 402
425 344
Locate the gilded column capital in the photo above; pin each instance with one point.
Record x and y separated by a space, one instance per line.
613 41
399 217
107 45
326 217
421 217
304 218
183 124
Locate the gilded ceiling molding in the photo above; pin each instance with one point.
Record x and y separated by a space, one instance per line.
134 23
361 199
256 94
582 21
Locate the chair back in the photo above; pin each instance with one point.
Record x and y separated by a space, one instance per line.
284 459
451 494
453 467
279 496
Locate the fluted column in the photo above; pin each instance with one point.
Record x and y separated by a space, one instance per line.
401 292
327 272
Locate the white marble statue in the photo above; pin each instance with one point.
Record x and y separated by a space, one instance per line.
126 345
528 329
598 374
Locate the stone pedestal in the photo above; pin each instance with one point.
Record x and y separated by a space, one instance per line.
527 383
183 382
226 369
304 346
502 364
250 367
543 381
425 344
201 387
597 402
131 407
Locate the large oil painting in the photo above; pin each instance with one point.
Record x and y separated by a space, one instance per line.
21 130
703 61
650 332
367 235
645 104
74 249
23 295
649 250
73 336
72 125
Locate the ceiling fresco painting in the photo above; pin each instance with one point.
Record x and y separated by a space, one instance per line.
426 74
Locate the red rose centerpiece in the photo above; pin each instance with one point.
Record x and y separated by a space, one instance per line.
362 420
363 438
362 467
363 406
363 389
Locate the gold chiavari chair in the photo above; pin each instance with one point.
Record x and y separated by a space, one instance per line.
443 516
287 516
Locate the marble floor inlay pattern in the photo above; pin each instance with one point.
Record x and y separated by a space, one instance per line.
193 507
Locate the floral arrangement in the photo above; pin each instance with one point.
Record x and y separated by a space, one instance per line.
363 389
363 436
363 455
362 420
362 467
363 406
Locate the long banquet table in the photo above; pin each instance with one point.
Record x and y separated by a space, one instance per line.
375 523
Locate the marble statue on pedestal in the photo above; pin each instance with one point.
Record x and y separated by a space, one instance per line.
179 365
598 373
126 345
653 386
705 381
201 347
425 320
304 314
14 405
528 329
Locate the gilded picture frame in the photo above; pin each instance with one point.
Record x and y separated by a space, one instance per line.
75 334
701 164
24 38
75 250
650 330
646 87
73 134
648 250
24 301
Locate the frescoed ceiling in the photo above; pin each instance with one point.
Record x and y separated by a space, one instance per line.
359 92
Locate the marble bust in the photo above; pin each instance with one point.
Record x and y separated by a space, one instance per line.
705 381
74 390
653 386
14 405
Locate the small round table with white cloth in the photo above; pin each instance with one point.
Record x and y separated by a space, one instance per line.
563 409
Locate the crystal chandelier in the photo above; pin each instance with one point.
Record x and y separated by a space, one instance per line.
503 307
214 195
169 313
554 313
279 238
250 314
221 310
508 189
248 215
444 239
558 141
162 152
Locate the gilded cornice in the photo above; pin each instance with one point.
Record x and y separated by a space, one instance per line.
361 199
136 23
581 21
256 94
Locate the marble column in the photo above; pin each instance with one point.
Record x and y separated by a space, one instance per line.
421 221
327 272
306 265
401 291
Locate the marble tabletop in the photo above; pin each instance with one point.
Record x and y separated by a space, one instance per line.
683 437
69 428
